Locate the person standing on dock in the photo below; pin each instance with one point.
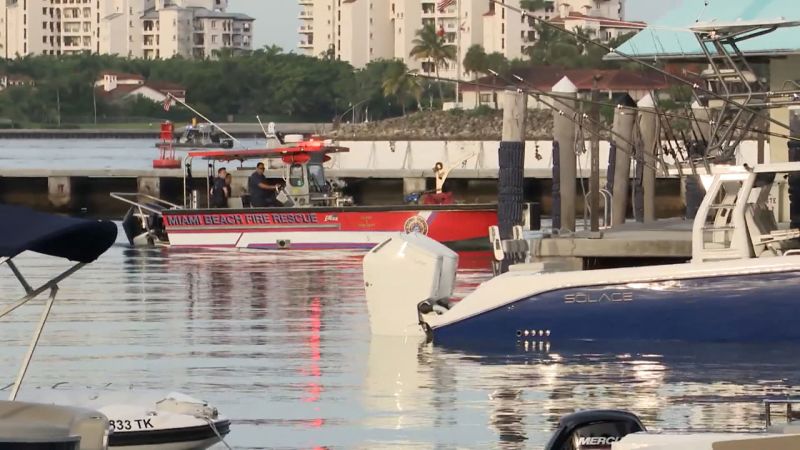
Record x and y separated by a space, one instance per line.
220 191
262 194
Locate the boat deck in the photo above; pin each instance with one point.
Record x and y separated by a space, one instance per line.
665 241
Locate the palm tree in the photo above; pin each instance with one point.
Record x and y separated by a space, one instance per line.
402 84
554 47
475 63
428 45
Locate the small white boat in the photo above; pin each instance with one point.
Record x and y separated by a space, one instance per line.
93 421
146 420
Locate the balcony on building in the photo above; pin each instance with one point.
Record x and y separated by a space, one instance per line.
149 26
306 14
306 29
150 41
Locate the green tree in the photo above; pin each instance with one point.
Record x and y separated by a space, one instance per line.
475 60
402 85
431 47
533 5
553 47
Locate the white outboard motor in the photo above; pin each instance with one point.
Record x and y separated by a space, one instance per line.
406 276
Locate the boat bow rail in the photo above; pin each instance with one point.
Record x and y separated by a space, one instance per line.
145 202
143 220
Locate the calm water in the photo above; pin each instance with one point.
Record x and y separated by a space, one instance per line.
280 343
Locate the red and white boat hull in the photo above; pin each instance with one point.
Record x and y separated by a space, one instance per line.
325 228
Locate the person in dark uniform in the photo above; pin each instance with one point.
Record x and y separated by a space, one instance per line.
220 191
262 194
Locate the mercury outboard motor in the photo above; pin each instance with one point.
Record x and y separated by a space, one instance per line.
593 430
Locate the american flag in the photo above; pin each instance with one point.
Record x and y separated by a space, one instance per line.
445 3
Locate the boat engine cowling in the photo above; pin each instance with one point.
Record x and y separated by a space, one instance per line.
406 276
593 430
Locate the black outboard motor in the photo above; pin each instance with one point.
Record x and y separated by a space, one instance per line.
131 225
593 430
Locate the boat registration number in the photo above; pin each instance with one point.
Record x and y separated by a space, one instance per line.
135 424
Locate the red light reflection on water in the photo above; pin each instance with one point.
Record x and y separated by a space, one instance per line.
313 390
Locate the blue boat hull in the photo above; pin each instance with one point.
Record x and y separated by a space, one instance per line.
742 308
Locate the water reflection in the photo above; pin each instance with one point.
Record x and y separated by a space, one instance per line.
280 342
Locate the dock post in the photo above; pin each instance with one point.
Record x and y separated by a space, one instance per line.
59 191
594 176
511 176
149 186
564 134
624 120
794 177
695 192
649 129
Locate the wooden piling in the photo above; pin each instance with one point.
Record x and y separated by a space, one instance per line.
511 163
649 130
624 120
564 134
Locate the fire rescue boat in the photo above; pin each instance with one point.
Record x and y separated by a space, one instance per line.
316 214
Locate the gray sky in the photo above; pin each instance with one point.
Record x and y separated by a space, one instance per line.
276 20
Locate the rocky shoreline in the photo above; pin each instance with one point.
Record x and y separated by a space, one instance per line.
444 125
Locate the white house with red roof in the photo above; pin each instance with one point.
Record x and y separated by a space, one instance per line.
117 86
10 80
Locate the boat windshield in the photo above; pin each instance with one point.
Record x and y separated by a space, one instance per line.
296 175
316 174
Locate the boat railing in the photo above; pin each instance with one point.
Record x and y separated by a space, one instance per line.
145 202
790 414
608 211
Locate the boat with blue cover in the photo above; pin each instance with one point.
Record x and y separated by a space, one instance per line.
741 285
35 419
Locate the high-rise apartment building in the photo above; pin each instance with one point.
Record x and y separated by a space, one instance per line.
360 31
134 28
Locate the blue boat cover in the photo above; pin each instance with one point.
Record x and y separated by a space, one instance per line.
77 240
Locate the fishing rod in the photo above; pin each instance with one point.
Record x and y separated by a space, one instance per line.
609 49
584 116
556 96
